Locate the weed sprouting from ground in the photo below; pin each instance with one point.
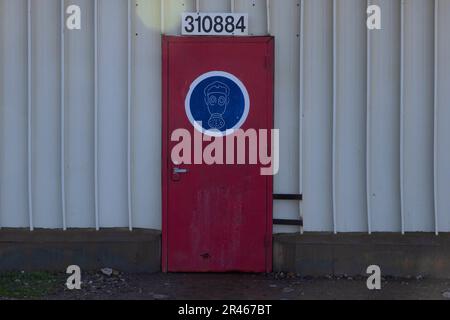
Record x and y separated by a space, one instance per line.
32 285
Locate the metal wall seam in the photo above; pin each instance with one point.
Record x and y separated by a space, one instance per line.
334 129
129 111
232 6
369 129
301 103
402 114
29 115
436 115
268 17
197 5
97 222
62 97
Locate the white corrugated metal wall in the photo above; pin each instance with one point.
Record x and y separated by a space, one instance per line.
363 114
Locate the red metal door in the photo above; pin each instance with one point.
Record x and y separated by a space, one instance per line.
216 217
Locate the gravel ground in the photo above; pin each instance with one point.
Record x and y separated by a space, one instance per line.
247 287
116 285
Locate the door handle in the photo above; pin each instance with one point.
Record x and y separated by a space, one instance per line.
180 171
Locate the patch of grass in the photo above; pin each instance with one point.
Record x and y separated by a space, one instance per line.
32 285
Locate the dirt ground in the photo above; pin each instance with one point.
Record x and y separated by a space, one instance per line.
99 286
248 287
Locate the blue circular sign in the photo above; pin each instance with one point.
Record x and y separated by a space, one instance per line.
217 103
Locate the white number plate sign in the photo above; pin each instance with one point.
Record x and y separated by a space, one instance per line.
215 24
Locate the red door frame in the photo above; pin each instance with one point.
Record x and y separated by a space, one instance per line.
166 40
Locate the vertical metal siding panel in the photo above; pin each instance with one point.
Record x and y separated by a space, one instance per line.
29 115
2 108
62 112
418 116
301 103
146 158
96 113
256 10
130 67
173 10
334 129
13 114
384 108
443 118
402 110
46 114
112 116
215 6
318 104
368 123
285 17
435 171
80 121
350 117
